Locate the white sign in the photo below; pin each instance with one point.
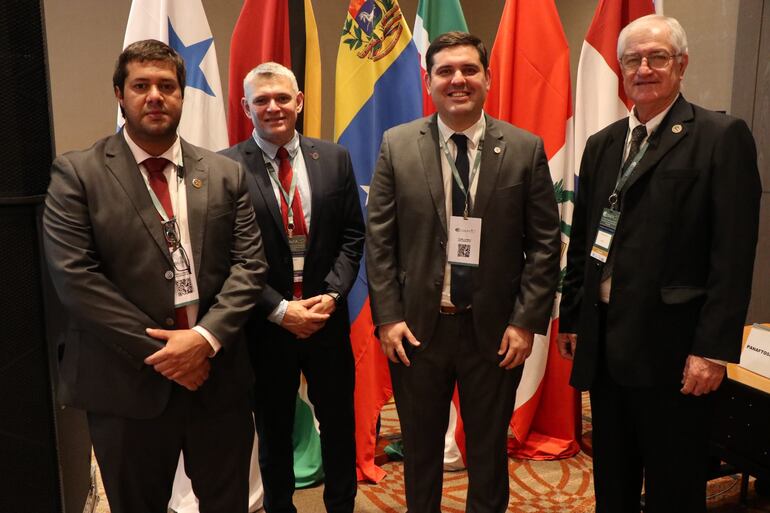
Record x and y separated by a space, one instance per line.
756 354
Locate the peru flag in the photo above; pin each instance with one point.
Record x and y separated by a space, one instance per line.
530 88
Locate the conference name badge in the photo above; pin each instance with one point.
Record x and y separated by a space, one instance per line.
186 288
756 353
464 241
607 226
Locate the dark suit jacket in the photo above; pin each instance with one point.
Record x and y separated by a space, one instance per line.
110 266
406 247
683 251
335 242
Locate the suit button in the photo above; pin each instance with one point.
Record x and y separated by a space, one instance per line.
169 275
437 283
442 243
169 322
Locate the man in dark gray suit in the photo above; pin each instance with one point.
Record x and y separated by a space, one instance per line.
313 243
144 231
658 276
462 262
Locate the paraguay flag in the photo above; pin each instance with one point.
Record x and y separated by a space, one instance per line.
377 87
182 24
530 88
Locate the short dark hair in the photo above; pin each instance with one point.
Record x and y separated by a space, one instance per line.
450 39
144 51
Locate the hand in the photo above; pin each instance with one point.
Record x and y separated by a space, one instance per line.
326 305
566 343
184 358
516 346
701 376
391 341
301 320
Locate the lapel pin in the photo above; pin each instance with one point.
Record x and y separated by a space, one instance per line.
498 150
676 128
197 183
314 155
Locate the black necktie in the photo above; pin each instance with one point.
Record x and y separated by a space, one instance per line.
637 136
460 285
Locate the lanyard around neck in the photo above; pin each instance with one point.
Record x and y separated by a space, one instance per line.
625 173
156 202
456 173
287 196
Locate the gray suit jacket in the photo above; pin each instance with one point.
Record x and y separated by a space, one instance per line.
407 233
111 267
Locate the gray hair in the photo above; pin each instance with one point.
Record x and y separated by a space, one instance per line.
677 37
268 70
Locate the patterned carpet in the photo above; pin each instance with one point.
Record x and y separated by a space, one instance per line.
562 486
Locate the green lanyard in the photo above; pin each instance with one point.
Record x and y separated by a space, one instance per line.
456 173
156 202
287 196
625 173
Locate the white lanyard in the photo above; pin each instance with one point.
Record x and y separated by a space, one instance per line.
156 202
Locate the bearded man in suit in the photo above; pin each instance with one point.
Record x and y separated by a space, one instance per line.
154 252
658 279
462 260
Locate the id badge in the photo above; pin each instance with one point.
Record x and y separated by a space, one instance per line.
607 226
186 288
464 241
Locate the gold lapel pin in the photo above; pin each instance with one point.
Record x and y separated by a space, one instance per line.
197 183
314 155
498 150
676 128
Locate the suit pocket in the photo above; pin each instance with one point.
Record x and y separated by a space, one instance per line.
679 173
679 295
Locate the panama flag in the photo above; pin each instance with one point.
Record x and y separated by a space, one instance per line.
282 31
434 17
377 87
599 96
182 24
530 88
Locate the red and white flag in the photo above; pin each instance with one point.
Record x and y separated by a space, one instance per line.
531 89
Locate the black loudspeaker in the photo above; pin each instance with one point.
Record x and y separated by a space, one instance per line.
44 450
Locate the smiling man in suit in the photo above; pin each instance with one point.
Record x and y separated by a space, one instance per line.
145 231
658 276
462 262
306 201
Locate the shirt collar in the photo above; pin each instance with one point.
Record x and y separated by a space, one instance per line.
473 132
652 124
271 149
172 154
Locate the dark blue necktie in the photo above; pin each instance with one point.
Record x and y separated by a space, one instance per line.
461 287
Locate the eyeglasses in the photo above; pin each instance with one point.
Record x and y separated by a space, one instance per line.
657 60
178 254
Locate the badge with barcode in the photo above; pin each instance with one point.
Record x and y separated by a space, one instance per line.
185 286
464 241
607 226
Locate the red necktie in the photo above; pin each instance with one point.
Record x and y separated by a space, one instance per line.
155 168
285 176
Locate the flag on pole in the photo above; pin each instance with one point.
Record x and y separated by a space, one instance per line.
530 88
282 31
182 24
599 95
434 17
377 87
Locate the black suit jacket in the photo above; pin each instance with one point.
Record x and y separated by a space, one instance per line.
683 251
335 242
111 268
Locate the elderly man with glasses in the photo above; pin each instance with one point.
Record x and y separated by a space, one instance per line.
658 276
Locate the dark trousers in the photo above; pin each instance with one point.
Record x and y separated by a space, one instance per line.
330 378
138 457
651 435
423 392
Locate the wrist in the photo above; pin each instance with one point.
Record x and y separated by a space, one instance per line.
334 295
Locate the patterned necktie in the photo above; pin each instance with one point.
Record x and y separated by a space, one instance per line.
155 167
285 176
460 284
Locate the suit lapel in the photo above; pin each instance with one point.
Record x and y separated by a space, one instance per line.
491 157
255 168
196 188
431 165
669 133
313 168
121 163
